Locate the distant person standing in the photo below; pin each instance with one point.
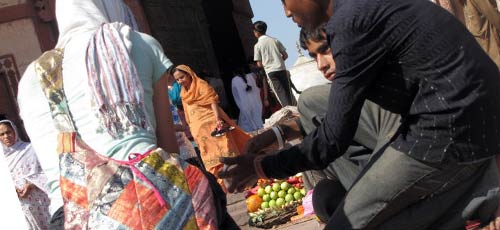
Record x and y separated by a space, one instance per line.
247 97
29 178
482 19
270 54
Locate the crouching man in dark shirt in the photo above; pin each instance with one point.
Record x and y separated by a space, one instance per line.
415 59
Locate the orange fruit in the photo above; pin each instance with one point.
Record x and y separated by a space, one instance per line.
253 203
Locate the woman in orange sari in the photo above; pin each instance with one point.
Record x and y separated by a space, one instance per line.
203 115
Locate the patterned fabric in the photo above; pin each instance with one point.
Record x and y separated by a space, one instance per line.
116 89
146 192
154 190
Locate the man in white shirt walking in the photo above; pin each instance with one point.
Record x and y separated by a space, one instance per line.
270 54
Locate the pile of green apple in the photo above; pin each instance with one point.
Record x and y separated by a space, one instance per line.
279 193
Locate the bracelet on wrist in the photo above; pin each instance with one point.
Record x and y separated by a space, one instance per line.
281 131
276 131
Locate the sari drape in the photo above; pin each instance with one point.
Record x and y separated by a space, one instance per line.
197 102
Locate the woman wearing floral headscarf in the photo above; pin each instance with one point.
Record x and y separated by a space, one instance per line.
28 176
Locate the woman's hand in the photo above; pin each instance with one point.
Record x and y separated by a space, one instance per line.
219 123
240 173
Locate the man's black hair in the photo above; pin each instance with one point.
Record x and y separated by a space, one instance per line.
260 27
317 34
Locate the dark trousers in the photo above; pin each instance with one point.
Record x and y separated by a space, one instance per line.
281 86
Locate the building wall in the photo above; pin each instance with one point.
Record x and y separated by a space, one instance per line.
25 32
182 29
19 38
243 15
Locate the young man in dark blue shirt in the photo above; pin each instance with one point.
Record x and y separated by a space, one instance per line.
415 59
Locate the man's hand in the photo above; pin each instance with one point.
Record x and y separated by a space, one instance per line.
240 173
261 142
24 191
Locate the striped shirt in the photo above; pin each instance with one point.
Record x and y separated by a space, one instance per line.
412 58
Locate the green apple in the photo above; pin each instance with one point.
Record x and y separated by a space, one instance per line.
291 190
285 185
303 191
297 195
264 205
272 203
280 202
276 187
273 195
281 193
261 192
268 189
288 198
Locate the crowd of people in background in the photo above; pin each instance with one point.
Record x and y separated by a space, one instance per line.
405 135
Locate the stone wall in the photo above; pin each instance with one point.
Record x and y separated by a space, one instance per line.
19 38
182 29
243 15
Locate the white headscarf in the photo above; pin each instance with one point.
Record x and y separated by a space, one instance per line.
23 162
79 16
8 150
120 109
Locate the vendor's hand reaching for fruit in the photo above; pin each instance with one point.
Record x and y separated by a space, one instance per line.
262 141
240 173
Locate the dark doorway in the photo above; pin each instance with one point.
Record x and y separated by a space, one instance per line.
226 42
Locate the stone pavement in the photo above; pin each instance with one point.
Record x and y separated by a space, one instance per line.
237 209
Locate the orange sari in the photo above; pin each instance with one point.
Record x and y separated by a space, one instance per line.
201 120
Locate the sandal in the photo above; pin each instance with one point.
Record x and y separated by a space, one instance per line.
217 133
221 129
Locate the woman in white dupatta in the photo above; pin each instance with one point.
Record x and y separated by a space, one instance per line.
247 97
29 178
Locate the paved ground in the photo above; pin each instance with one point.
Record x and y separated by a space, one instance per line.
237 208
